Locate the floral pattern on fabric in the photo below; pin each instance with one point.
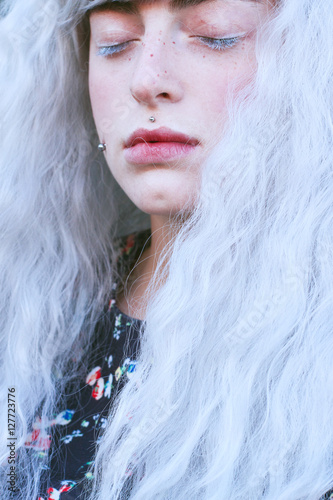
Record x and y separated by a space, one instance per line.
73 433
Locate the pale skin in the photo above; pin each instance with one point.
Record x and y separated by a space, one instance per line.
169 67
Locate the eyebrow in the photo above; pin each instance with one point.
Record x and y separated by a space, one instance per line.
131 6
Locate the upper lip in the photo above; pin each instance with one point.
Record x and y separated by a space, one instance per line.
162 134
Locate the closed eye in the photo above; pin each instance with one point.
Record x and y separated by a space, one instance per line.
110 50
219 43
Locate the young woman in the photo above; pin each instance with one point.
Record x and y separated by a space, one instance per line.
166 249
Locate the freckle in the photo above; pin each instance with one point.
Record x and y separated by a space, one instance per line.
159 39
151 55
204 57
173 42
163 43
130 58
158 75
165 71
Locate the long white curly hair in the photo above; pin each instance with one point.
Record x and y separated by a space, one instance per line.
233 396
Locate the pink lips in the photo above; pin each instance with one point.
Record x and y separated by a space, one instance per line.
159 145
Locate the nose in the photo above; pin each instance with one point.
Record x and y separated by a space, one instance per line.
156 79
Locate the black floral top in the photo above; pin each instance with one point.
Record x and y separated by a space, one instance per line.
71 436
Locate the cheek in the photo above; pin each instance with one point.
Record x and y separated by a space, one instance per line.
96 93
245 67
227 81
101 98
97 97
101 88
109 99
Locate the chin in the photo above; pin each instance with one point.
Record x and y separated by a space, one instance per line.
166 204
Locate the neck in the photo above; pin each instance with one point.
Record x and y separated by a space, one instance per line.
134 299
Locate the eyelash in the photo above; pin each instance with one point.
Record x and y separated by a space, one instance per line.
213 43
110 50
219 43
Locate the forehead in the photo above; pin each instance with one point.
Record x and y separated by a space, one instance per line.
173 5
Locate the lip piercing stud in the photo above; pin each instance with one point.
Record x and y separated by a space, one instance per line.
152 119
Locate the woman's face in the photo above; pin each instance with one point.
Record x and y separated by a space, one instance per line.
175 60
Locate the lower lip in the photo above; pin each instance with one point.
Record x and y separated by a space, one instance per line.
157 152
